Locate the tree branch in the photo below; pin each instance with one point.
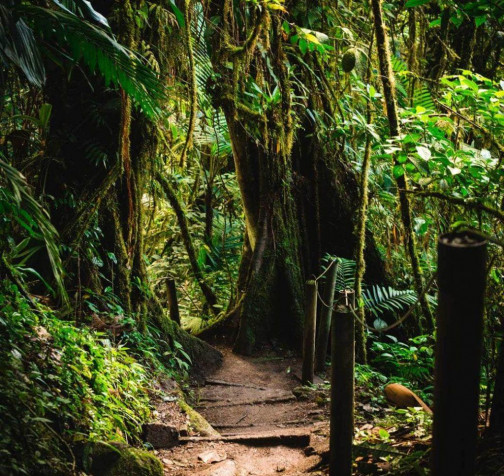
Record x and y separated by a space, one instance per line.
467 203
209 295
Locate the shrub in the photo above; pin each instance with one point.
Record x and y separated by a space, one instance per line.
60 384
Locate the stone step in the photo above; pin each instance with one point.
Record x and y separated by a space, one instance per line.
295 438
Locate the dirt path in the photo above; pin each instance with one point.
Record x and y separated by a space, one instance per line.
253 398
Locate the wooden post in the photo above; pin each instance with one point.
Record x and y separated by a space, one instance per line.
171 292
342 389
324 328
310 325
461 280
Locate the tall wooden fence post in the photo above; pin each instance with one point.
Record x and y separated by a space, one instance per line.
461 279
324 327
342 388
310 326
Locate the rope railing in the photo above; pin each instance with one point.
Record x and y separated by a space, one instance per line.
399 321
316 336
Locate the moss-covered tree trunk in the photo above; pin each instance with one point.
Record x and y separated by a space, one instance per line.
299 198
104 199
273 298
272 275
401 181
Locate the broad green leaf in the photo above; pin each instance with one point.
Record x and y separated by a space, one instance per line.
423 152
454 170
398 171
416 3
480 20
178 14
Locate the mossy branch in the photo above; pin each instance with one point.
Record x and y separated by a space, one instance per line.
481 128
244 50
209 295
360 334
464 202
193 88
387 78
240 107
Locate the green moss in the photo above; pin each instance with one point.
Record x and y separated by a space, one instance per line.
115 459
197 423
136 462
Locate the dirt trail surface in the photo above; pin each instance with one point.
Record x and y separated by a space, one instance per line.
270 425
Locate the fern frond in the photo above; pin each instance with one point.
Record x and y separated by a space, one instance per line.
379 299
345 277
422 97
345 273
212 127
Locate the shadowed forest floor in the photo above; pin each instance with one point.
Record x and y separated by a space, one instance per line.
255 396
274 425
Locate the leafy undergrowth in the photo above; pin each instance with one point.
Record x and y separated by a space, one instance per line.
390 440
393 441
62 385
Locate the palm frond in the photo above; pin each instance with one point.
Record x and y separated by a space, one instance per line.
100 52
32 217
18 45
84 9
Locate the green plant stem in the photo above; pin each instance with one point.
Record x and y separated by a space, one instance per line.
360 331
395 130
193 88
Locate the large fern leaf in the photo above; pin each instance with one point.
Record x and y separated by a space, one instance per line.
377 299
422 97
380 299
345 276
345 271
211 128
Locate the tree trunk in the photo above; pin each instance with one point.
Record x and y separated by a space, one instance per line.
401 181
296 198
207 292
110 191
171 292
273 301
